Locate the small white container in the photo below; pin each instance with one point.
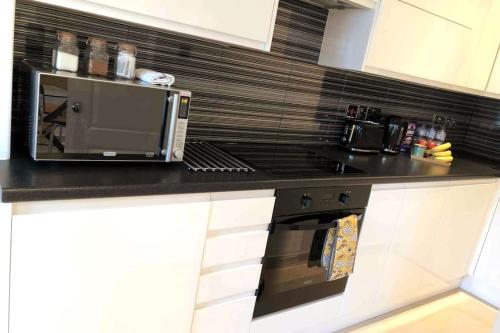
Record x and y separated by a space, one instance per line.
125 61
65 52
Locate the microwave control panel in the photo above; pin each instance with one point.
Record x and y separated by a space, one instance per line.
180 129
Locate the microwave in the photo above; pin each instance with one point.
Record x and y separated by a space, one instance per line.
362 136
79 117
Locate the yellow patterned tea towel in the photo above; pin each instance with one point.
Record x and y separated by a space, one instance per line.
339 249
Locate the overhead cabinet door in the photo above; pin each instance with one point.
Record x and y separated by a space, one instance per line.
244 22
412 41
459 11
494 82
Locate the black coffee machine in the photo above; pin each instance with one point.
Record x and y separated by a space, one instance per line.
395 130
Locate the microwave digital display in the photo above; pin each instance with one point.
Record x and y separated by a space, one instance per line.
183 108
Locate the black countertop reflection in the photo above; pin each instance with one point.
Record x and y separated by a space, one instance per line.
22 179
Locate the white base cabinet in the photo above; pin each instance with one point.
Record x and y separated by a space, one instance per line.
236 243
228 317
107 270
167 263
5 224
145 264
417 240
485 280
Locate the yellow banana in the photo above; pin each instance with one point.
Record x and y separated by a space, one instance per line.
443 147
442 153
444 158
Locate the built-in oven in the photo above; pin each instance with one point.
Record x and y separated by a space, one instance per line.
292 273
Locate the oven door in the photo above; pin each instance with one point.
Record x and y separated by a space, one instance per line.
292 272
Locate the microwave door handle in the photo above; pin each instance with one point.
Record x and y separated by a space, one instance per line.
164 123
168 133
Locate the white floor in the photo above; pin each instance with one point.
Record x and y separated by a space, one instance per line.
456 313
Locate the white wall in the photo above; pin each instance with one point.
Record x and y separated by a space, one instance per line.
7 42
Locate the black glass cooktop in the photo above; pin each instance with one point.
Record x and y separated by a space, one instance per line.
287 160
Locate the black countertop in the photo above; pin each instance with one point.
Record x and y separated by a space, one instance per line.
22 179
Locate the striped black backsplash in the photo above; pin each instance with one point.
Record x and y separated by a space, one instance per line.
483 136
298 31
244 95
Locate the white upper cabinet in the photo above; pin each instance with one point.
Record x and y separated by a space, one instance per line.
241 22
416 42
460 11
107 270
448 43
494 81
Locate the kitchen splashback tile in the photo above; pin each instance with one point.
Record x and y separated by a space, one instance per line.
298 31
483 136
245 95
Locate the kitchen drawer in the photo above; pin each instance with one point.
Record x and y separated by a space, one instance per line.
235 247
228 282
240 213
228 317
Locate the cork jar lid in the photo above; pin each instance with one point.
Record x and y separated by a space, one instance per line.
127 47
66 36
97 42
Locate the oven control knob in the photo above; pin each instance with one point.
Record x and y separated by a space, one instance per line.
306 201
344 198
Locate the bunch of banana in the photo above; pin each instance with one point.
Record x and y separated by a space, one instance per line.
442 153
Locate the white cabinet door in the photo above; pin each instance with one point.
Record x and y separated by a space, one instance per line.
233 316
463 219
240 213
5 223
411 41
460 11
247 23
405 270
124 270
228 282
234 247
485 282
494 81
377 232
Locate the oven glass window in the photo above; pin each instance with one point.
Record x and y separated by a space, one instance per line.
293 256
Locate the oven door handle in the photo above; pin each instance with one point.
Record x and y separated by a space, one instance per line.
322 226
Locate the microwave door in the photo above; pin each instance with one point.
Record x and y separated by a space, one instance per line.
113 119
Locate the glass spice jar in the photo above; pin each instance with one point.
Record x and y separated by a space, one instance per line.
65 52
96 57
125 61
